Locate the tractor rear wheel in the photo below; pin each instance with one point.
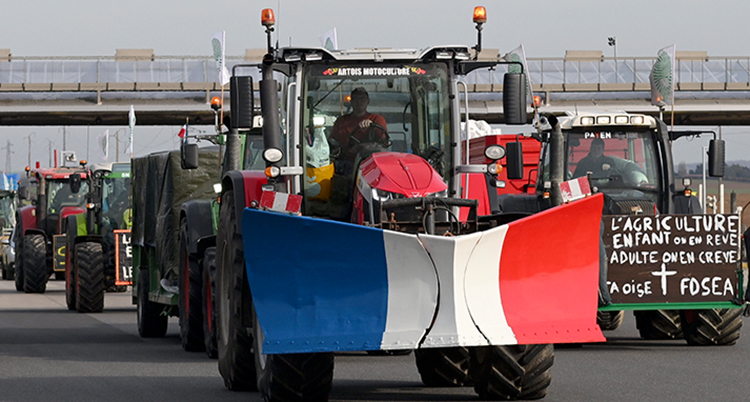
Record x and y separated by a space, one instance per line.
715 327
512 372
89 282
35 273
190 280
294 376
209 302
151 322
234 340
609 320
443 367
658 324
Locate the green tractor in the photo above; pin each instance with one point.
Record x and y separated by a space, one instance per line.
98 240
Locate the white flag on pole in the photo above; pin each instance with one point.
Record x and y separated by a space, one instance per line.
519 55
217 43
104 145
131 125
329 40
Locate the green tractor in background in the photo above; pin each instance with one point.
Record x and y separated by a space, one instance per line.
98 241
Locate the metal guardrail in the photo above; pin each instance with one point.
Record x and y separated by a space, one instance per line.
25 73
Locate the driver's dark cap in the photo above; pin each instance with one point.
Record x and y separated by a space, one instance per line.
597 141
360 91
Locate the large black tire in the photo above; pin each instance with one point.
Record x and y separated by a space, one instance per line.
89 263
234 340
209 302
294 377
443 367
658 324
151 322
512 372
715 327
191 294
609 320
35 272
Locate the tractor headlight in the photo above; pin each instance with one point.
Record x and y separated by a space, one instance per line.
272 155
494 152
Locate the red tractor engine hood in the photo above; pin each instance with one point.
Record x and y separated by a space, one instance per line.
401 173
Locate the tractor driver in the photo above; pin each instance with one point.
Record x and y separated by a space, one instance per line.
603 166
595 162
358 127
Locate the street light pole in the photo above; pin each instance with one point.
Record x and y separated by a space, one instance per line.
612 41
29 137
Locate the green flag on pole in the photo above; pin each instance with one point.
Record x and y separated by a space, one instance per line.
662 77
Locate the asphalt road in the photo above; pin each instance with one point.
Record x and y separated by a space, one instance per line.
48 353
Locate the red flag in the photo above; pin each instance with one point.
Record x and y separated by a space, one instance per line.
183 131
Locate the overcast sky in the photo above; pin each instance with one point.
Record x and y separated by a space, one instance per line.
546 28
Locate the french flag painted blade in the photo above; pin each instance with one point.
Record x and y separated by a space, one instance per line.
322 285
549 274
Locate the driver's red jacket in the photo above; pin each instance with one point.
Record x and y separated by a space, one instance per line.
347 124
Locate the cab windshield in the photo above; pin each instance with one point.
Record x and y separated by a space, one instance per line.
407 106
619 161
61 195
116 200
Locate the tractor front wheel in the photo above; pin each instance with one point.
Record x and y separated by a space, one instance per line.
715 327
35 273
89 282
443 367
512 372
234 339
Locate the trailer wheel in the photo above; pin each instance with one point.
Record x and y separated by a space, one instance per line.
19 266
190 280
443 367
658 324
209 302
715 327
11 270
35 272
294 376
512 372
234 341
151 322
89 284
70 282
609 320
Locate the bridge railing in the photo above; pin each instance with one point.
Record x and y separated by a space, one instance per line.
24 73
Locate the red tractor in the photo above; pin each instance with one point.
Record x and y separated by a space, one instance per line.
40 249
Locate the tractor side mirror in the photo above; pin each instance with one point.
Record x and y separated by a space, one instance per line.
514 98
514 160
189 156
716 157
241 102
75 182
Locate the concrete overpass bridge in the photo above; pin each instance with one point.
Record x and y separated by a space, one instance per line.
67 91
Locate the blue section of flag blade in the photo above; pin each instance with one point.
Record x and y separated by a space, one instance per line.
317 285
